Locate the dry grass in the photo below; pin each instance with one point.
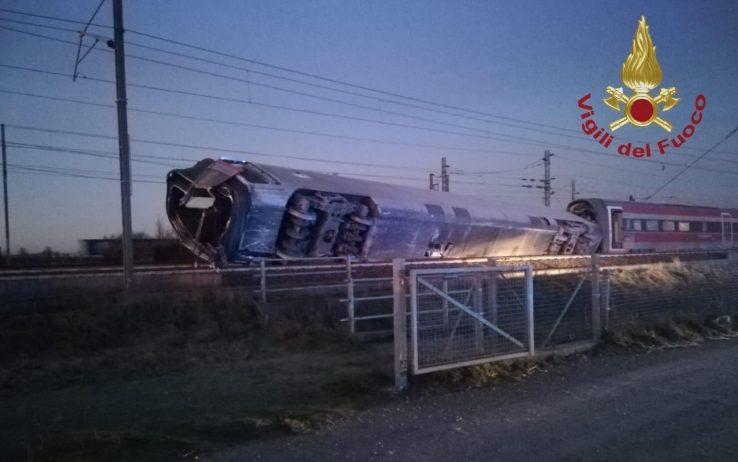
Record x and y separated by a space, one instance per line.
477 376
678 331
164 376
151 333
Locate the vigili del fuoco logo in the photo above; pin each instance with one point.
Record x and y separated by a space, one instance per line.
641 73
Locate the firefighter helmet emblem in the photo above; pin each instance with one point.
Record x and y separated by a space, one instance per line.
641 73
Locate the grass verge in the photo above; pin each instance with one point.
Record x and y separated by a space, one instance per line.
169 376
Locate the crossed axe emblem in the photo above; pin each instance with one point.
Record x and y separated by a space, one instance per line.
640 108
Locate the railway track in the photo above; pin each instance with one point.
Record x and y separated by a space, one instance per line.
318 265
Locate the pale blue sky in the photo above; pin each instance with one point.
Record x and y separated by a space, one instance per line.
525 60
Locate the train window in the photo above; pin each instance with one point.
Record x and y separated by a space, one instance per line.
637 225
667 226
652 225
714 227
434 210
616 228
683 226
704 226
696 226
462 213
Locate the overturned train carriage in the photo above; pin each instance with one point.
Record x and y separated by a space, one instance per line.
229 212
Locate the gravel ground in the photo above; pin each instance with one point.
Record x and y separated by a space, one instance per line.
673 405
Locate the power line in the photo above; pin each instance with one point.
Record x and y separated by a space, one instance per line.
287 108
251 153
270 75
156 160
210 148
146 159
439 147
45 26
724 139
265 127
341 116
336 81
112 155
285 69
273 87
54 18
598 164
294 71
702 168
523 140
56 172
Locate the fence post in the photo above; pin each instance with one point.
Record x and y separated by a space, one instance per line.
350 296
400 322
529 309
596 318
444 287
606 300
477 306
263 282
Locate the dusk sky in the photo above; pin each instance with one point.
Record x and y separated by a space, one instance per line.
383 90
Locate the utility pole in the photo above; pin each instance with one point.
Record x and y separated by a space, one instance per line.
5 196
123 142
546 186
445 183
432 185
573 189
547 178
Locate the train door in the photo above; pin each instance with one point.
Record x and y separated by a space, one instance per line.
727 221
615 218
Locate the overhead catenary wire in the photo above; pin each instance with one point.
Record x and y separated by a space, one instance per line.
156 160
654 161
54 18
486 119
577 137
507 139
53 172
343 116
167 161
427 146
269 127
225 150
691 165
297 72
446 148
276 88
78 60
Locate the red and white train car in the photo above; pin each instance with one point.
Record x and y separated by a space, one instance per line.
644 227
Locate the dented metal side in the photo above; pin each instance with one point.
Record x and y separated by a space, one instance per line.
227 211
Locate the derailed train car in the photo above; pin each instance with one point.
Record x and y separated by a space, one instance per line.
231 211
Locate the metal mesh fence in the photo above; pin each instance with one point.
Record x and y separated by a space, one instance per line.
563 308
468 316
642 296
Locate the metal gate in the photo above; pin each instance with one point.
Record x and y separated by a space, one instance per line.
465 316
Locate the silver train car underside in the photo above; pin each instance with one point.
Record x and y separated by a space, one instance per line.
233 212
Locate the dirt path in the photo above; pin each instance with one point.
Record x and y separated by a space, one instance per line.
675 405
